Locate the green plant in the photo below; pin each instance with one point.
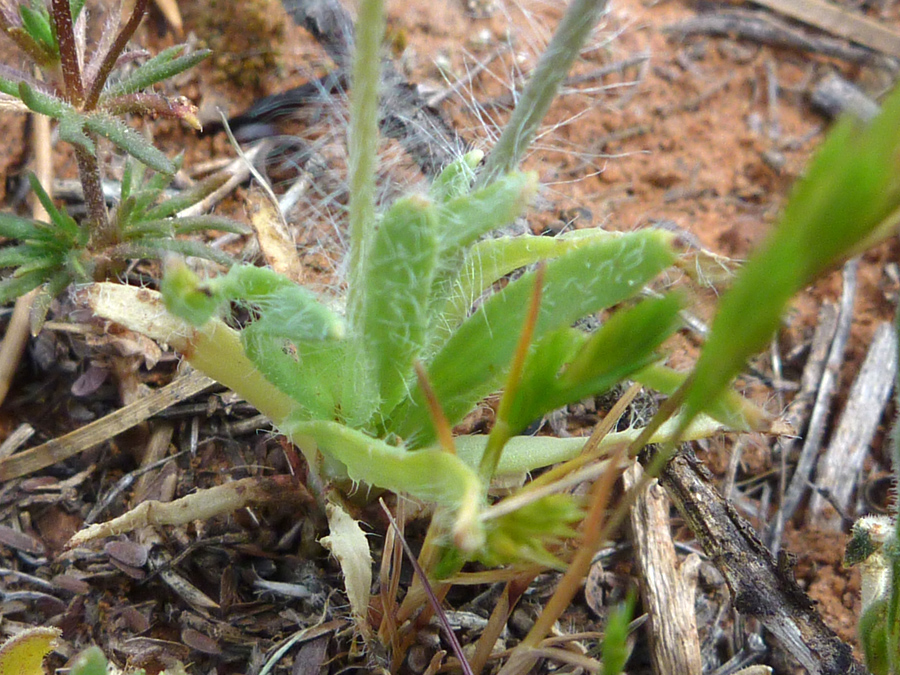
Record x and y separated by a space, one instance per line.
343 385
78 91
431 324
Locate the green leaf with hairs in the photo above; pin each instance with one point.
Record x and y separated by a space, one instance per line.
615 636
399 270
71 130
490 260
37 25
567 366
45 104
307 371
127 139
16 227
161 67
197 192
61 219
464 219
171 226
289 310
585 280
23 254
154 248
432 475
16 285
456 179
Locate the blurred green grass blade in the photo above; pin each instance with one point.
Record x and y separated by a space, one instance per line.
851 188
150 192
187 225
731 409
16 227
583 281
154 248
397 279
553 67
164 65
90 662
37 25
61 219
615 637
14 256
12 287
75 6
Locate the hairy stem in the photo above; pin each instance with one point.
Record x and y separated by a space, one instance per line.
103 233
140 7
68 52
551 70
363 143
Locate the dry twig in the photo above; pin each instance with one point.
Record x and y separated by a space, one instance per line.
103 429
762 589
668 591
840 465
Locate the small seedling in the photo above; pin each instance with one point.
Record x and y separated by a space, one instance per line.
78 90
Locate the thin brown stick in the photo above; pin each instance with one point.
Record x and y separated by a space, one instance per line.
827 389
842 461
16 338
766 29
109 60
762 588
103 429
840 22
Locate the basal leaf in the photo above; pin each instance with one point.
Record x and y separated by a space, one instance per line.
466 218
555 376
305 371
286 309
431 475
583 281
398 273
